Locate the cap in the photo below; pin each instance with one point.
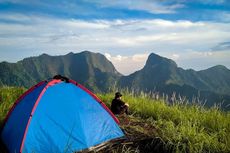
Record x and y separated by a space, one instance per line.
118 94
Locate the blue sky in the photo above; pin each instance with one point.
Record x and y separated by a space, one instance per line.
194 33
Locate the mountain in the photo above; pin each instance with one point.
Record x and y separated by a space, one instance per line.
163 75
95 72
156 72
216 79
92 70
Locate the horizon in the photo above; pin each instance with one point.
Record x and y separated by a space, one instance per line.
195 34
117 67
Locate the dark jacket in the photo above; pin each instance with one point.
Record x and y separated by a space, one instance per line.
117 106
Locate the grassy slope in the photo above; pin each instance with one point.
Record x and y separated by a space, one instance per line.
178 127
183 127
8 96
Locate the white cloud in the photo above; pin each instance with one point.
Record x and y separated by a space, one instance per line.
140 57
192 59
197 55
120 58
153 7
86 25
128 64
108 56
129 40
203 60
175 24
175 57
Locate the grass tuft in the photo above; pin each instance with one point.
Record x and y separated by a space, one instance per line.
186 127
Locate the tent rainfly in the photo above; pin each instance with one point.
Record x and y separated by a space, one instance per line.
58 116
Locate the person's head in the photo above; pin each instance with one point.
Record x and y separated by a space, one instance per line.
118 95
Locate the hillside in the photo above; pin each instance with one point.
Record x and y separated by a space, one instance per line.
159 71
90 69
163 75
154 125
93 70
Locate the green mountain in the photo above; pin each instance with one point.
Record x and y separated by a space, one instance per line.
95 72
92 70
157 71
163 75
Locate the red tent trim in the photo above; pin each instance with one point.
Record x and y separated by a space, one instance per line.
51 83
20 98
96 98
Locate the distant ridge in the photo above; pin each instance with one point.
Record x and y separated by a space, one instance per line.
163 75
94 71
90 69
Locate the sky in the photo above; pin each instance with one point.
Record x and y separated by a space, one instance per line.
194 33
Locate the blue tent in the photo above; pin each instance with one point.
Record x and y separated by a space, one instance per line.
58 116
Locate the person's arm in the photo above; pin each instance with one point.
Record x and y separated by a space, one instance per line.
123 104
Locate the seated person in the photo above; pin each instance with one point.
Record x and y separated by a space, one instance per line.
118 106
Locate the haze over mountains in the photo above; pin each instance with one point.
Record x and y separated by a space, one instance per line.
97 73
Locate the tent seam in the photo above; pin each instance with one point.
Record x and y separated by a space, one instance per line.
96 98
50 83
19 100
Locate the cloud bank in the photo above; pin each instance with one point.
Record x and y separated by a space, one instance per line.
128 64
123 40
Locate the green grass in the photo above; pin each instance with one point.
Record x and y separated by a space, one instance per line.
185 128
8 96
190 128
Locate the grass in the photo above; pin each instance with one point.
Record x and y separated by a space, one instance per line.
188 128
8 96
178 127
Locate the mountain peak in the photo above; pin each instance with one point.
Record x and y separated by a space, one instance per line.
90 69
215 69
70 53
219 67
44 55
87 52
154 60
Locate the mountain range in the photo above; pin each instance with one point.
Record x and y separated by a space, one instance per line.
163 75
94 71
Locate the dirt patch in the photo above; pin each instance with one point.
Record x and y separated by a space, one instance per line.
141 136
